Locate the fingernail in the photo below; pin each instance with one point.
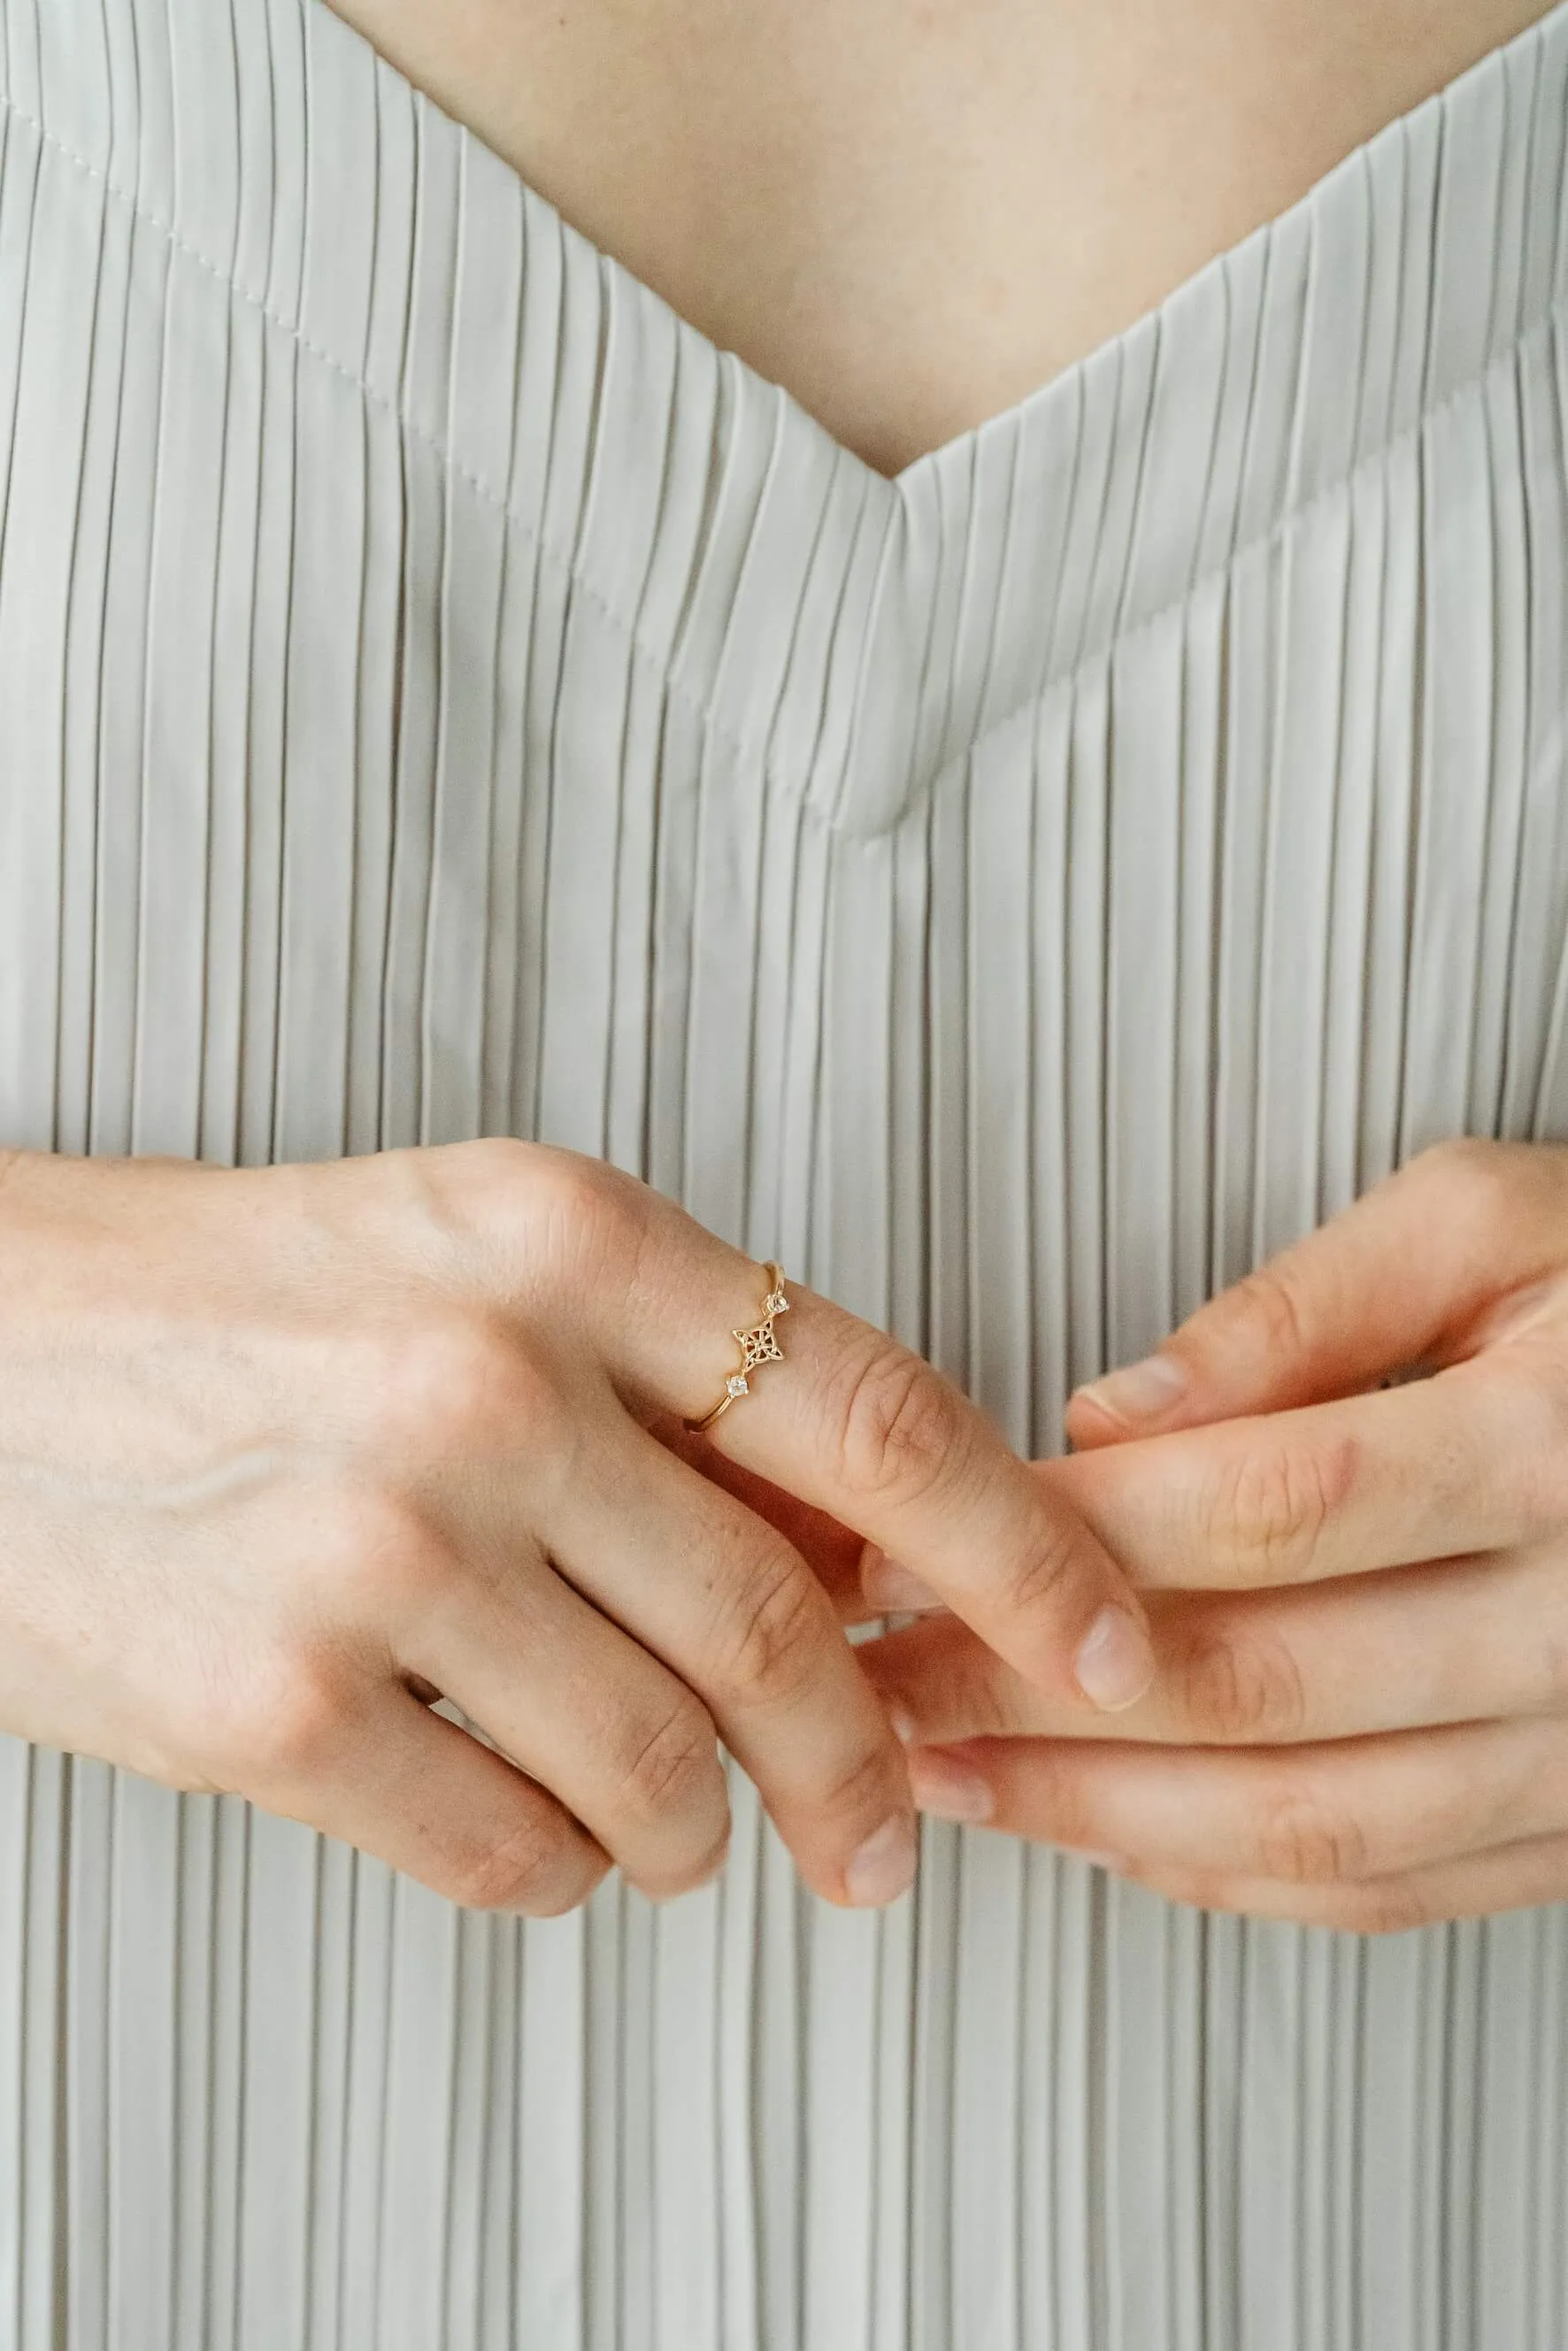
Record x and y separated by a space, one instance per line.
1117 1663
903 1724
1139 1391
949 1789
888 1586
883 1869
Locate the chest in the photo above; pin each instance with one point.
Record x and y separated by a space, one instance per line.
912 211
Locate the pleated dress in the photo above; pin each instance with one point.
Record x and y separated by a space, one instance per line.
442 694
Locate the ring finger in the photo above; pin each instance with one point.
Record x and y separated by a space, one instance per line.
1408 1650
615 1736
415 1790
731 1608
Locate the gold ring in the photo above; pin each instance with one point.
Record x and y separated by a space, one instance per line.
757 1345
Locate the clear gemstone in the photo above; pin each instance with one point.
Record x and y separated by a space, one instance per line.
737 1383
778 1304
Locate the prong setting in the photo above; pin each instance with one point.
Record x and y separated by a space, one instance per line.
758 1344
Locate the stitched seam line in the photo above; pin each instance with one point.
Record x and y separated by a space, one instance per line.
573 574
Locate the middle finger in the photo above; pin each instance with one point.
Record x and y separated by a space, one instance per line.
1459 1641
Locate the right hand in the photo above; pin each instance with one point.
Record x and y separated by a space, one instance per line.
285 1453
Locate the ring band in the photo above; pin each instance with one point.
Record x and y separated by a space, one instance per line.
757 1345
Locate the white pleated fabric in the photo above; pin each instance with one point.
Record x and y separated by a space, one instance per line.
442 694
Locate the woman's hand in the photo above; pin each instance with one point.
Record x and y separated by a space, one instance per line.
287 1454
1361 1606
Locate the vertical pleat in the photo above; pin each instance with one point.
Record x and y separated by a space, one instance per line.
439 693
41 481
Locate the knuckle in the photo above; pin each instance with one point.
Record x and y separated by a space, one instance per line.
901 1426
542 1867
862 1791
986 1697
1265 1304
486 1184
545 1212
771 1649
496 1161
1304 1840
673 1767
580 1217
346 1524
1480 1187
371 1548
1466 1167
454 1382
1275 1504
1066 1805
1034 1586
1241 1687
282 1727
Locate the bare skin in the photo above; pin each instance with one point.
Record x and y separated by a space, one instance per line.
910 213
287 1453
1360 1589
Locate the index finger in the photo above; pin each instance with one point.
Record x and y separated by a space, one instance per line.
860 1426
1462 1461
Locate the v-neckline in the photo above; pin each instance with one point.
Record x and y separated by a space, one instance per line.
842 637
960 450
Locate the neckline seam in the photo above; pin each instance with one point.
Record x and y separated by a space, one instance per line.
1260 541
574 575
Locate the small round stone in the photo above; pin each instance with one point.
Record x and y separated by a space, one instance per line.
737 1383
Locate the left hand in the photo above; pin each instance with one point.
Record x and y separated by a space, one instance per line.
1359 1590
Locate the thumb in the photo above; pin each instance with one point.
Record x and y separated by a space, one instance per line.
1392 1283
